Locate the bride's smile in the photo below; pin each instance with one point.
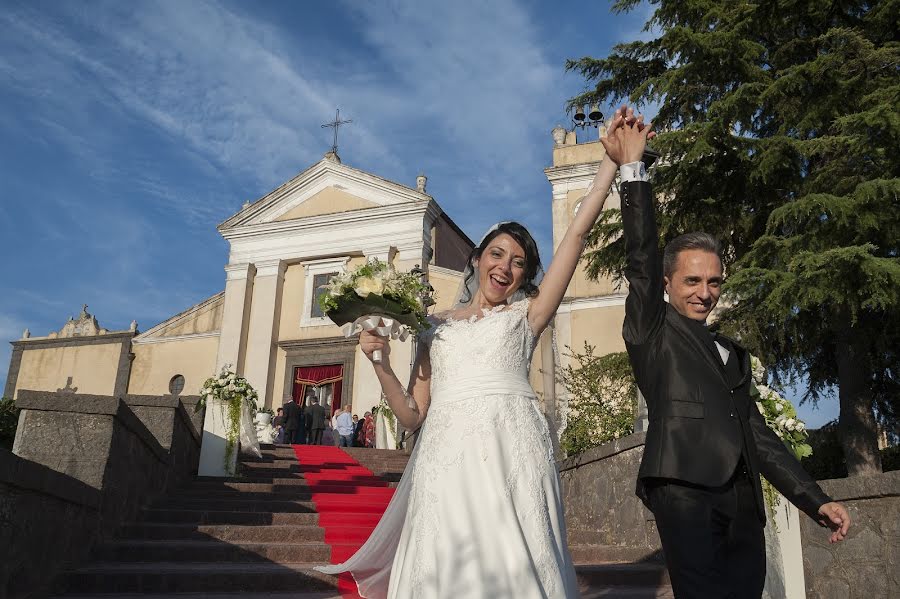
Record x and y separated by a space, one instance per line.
502 270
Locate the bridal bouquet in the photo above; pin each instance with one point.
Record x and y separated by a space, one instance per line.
375 297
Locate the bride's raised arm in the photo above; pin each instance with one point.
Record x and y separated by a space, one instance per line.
409 406
565 260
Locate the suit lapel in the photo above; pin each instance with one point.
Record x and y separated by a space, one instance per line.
702 338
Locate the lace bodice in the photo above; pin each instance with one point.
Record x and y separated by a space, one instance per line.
500 340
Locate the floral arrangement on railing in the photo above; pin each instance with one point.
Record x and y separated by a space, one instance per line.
234 391
375 296
389 418
781 417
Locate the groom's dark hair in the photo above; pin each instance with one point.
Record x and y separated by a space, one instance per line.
524 239
689 241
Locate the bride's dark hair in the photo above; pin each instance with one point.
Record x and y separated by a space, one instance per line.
532 258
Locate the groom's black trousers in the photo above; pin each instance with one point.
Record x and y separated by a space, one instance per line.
712 538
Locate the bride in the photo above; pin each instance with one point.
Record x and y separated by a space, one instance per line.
478 511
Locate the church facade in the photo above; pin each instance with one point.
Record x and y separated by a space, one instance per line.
266 323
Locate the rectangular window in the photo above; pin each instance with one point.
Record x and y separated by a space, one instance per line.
319 281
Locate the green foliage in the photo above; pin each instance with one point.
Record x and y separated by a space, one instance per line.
780 134
602 399
390 418
9 420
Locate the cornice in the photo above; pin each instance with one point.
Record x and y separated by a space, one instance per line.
327 221
267 206
189 337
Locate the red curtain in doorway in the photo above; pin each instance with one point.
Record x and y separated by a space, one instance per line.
317 376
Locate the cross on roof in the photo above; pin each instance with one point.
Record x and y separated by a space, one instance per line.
335 124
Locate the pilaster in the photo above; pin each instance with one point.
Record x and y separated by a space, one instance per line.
265 317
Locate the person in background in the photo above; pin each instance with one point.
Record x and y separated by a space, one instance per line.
278 425
345 427
359 440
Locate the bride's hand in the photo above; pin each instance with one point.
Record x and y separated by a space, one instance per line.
370 342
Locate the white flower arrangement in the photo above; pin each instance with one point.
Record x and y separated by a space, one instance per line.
780 416
235 391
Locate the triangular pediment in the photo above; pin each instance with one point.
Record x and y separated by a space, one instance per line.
327 187
331 200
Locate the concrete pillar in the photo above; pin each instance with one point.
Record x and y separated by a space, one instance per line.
238 290
262 334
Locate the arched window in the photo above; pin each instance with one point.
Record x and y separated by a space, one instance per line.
176 384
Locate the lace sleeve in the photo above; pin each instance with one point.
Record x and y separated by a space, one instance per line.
427 336
521 305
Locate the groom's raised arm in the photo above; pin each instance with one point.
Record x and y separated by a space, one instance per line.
645 307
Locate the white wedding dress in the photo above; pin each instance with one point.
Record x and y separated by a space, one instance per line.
477 513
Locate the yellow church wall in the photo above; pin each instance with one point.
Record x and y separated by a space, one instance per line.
92 368
155 364
328 201
445 288
278 391
601 327
203 321
591 151
580 285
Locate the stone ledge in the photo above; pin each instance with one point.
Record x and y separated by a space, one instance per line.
154 401
53 401
873 486
602 452
47 342
25 474
76 403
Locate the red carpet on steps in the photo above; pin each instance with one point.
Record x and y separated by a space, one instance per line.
349 498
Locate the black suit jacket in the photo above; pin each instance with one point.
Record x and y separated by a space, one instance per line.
291 416
702 418
316 416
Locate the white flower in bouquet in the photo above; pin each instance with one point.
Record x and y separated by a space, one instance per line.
367 285
761 408
757 369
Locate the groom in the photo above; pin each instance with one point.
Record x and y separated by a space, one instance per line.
706 444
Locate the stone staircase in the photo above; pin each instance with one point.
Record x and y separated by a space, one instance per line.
258 536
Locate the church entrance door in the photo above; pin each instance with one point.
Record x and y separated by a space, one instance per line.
323 382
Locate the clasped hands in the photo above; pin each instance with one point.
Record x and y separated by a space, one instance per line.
627 136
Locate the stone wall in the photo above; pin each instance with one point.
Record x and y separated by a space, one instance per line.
866 565
81 466
599 500
172 423
48 522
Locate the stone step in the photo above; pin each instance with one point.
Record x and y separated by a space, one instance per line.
647 575
193 577
596 554
250 595
277 485
341 504
287 493
204 516
605 580
184 551
224 532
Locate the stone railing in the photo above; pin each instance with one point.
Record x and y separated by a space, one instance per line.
82 465
600 504
866 565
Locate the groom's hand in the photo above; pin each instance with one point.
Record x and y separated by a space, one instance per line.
835 516
627 137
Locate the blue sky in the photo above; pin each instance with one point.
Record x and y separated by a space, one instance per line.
128 130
